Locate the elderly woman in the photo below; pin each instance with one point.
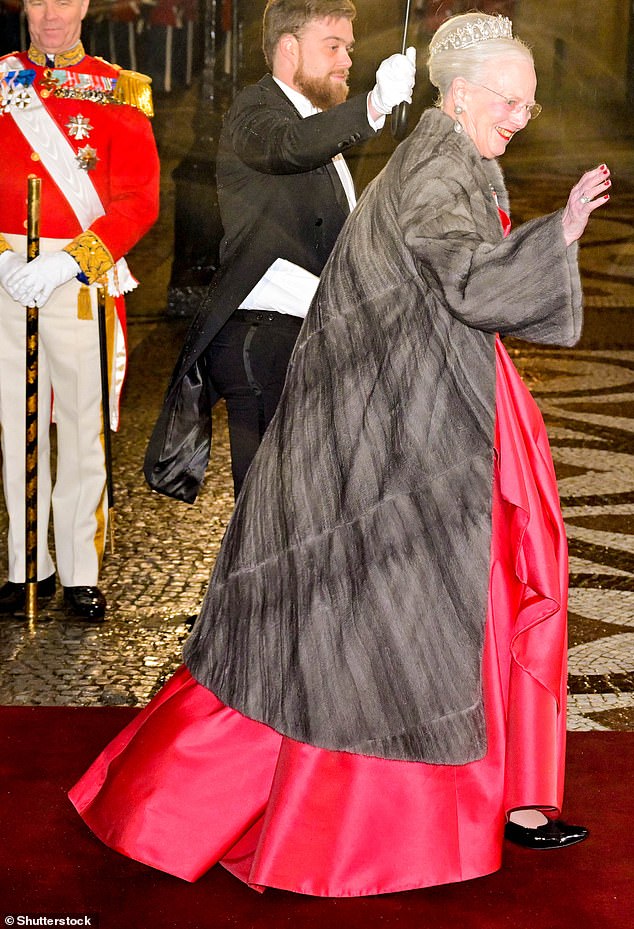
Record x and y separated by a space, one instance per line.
375 690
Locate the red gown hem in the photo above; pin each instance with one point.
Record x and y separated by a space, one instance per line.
323 823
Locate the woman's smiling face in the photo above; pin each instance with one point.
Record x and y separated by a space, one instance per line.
498 106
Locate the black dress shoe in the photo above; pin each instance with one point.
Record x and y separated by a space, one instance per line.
13 596
86 602
553 834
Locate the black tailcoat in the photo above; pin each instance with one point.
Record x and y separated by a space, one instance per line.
280 197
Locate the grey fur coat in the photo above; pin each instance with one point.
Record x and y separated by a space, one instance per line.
348 602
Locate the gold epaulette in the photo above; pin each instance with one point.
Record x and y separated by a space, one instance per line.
133 88
104 61
4 245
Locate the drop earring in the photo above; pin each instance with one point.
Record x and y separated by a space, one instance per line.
457 126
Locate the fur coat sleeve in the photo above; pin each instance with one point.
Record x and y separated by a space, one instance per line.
348 601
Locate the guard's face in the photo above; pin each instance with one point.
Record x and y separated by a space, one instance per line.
324 61
55 25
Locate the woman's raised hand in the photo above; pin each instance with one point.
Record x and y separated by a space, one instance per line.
588 193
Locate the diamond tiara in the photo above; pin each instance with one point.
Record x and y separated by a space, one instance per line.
480 30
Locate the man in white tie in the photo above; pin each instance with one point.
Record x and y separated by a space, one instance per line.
284 192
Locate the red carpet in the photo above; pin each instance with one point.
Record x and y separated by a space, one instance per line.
51 864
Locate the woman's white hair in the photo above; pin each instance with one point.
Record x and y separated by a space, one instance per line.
471 62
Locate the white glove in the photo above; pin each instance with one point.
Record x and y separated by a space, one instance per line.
33 284
394 81
9 263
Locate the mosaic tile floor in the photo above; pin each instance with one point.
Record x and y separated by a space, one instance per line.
587 402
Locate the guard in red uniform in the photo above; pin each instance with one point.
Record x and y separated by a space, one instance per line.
81 125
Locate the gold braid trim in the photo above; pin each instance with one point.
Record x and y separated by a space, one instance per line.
91 255
134 89
4 245
62 59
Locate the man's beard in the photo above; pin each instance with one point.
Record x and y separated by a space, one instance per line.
321 91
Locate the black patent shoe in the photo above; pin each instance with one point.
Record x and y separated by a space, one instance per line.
13 596
86 602
553 834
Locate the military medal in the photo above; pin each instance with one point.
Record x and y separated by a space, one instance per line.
21 99
48 84
87 158
16 99
74 85
14 89
79 127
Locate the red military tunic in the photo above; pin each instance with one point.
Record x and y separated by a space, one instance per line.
125 174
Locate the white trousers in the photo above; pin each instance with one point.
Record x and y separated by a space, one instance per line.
68 368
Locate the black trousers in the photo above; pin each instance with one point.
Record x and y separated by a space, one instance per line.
247 362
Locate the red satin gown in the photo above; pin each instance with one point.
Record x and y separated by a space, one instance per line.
190 782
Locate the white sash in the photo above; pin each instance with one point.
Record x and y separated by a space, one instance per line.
46 137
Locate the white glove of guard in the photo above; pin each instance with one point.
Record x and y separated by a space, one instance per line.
9 263
394 81
33 284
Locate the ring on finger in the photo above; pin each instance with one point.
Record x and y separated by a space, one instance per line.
584 199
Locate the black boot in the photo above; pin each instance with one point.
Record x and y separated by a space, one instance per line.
13 596
86 602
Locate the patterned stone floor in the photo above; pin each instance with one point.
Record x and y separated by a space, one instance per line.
587 402
164 551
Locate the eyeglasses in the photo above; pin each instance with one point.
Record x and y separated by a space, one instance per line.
533 109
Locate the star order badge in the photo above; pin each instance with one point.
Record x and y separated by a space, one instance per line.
20 99
79 127
87 158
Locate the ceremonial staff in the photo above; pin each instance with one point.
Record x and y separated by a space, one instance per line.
105 406
30 487
400 112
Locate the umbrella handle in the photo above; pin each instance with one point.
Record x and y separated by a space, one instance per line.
398 120
400 112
